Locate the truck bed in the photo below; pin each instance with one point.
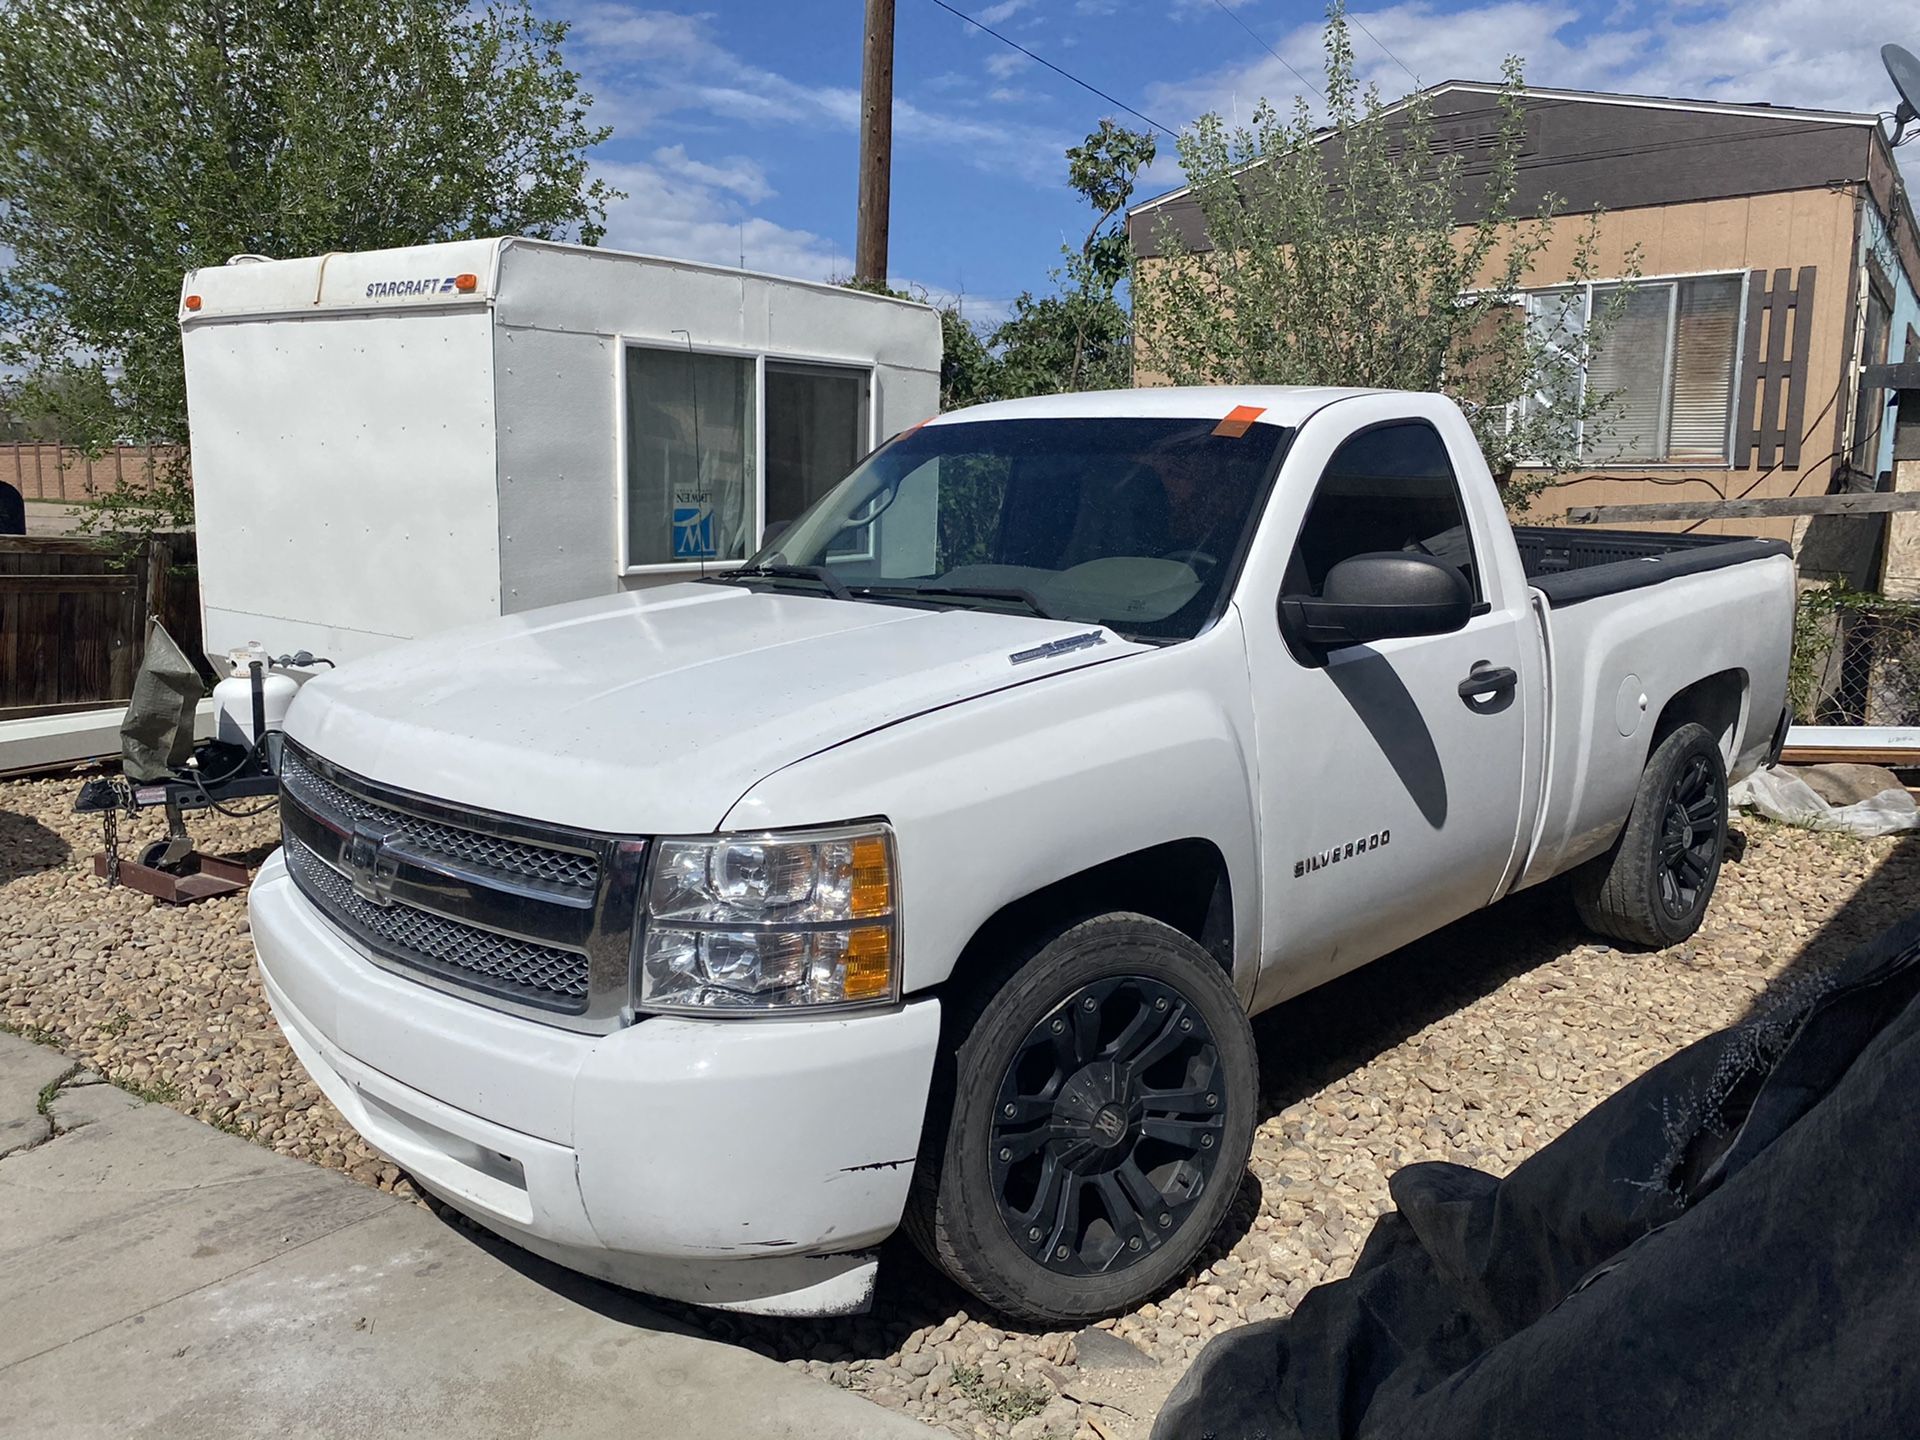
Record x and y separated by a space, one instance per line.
1569 564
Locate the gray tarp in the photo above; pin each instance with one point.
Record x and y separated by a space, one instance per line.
157 734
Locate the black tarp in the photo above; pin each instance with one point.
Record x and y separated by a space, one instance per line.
1729 1246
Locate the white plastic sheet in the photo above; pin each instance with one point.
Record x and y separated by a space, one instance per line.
1782 795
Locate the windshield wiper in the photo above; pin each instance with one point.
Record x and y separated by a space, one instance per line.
968 592
820 574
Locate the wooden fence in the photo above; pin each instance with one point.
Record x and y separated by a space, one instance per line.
73 618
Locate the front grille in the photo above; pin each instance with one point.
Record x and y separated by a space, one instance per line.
517 969
456 843
520 914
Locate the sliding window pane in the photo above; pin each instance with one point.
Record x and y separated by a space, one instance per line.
690 456
1556 326
816 433
1628 377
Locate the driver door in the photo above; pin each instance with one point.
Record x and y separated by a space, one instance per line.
1390 790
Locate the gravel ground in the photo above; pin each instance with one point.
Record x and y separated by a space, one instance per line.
1477 1045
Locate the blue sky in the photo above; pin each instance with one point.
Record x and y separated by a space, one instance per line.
734 120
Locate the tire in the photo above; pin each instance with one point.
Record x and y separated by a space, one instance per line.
1652 888
154 853
1119 1170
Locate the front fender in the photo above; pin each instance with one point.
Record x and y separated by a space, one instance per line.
998 797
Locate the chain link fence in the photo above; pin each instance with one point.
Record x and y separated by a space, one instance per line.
1856 660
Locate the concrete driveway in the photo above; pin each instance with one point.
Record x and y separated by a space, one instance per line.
159 1278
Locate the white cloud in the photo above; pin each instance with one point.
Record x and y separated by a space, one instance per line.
646 66
977 309
737 174
1783 52
1187 9
1000 13
655 32
1003 63
672 212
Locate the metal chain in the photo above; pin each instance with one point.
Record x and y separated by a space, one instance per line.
110 826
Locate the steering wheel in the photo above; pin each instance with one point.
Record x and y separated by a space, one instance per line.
1192 559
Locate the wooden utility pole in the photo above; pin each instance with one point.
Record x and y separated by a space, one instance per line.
876 144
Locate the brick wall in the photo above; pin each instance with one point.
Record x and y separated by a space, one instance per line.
63 475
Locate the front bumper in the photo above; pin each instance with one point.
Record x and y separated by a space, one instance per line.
747 1164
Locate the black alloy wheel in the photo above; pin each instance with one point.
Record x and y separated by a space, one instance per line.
1690 835
1090 1121
1107 1127
1652 887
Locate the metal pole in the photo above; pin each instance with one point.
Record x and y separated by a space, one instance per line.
876 144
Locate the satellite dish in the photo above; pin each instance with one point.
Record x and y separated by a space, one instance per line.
1905 71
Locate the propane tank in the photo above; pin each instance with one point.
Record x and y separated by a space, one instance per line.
236 718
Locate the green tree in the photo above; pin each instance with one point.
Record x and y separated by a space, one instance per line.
143 138
1080 337
970 373
1337 257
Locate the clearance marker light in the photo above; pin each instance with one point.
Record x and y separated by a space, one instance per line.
1239 420
466 284
193 302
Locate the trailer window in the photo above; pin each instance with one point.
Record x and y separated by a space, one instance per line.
816 434
690 455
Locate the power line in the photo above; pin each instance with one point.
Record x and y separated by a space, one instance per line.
1263 45
1296 74
1383 45
1063 74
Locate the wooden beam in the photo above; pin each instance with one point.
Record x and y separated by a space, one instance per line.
1816 755
1864 503
114 584
64 707
1903 376
51 545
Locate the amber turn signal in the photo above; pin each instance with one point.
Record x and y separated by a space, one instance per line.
867 966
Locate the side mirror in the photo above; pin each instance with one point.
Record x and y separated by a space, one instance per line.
1379 596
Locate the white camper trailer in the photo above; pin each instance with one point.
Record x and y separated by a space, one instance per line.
392 443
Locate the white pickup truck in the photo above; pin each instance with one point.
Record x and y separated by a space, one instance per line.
927 868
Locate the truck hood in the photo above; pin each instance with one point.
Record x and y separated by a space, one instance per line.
653 712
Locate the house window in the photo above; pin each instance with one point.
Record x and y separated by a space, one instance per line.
1669 363
691 456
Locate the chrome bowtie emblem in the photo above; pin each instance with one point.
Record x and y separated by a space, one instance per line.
370 866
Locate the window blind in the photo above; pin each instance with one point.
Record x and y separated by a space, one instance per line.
1706 332
1631 367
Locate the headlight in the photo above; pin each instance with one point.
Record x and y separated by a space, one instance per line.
769 922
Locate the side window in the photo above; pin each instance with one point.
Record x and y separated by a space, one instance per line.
1388 488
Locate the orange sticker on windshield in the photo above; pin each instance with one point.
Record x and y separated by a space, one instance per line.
1239 420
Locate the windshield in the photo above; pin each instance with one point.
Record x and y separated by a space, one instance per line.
1133 523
